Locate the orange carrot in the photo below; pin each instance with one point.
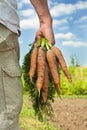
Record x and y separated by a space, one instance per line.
45 84
51 59
33 63
41 61
62 62
58 69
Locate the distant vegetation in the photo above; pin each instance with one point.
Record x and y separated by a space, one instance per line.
79 82
79 79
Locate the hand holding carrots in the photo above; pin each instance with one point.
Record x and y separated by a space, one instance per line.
45 59
46 31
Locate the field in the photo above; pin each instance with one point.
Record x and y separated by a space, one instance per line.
29 121
70 113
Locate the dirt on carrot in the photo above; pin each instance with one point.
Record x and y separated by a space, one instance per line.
45 84
33 63
51 59
41 62
62 62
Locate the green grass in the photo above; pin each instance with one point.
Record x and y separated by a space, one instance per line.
74 96
29 121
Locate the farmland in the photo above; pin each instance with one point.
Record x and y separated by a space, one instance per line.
69 113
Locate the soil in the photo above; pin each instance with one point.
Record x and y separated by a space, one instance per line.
70 114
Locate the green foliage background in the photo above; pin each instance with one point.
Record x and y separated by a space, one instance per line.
79 82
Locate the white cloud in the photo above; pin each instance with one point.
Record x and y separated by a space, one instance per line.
81 5
51 3
59 22
21 3
74 43
81 22
83 19
30 23
62 28
83 26
67 9
25 1
61 9
27 12
67 36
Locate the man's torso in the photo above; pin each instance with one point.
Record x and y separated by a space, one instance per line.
8 14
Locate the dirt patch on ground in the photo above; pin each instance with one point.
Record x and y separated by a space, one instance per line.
70 114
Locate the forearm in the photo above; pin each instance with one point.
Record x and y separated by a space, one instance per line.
41 7
45 29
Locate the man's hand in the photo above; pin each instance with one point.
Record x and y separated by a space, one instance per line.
45 19
46 31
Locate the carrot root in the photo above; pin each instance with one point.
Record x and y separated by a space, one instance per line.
62 62
33 61
51 59
40 68
45 84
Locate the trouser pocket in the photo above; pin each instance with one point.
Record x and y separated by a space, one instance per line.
12 87
13 96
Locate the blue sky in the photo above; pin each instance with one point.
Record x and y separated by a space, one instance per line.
69 25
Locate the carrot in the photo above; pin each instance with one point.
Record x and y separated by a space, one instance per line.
62 62
51 59
45 84
33 63
58 69
41 61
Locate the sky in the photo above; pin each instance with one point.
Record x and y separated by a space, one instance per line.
69 26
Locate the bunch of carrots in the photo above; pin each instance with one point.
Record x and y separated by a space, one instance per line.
46 59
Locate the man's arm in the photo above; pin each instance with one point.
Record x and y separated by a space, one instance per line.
41 7
46 30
